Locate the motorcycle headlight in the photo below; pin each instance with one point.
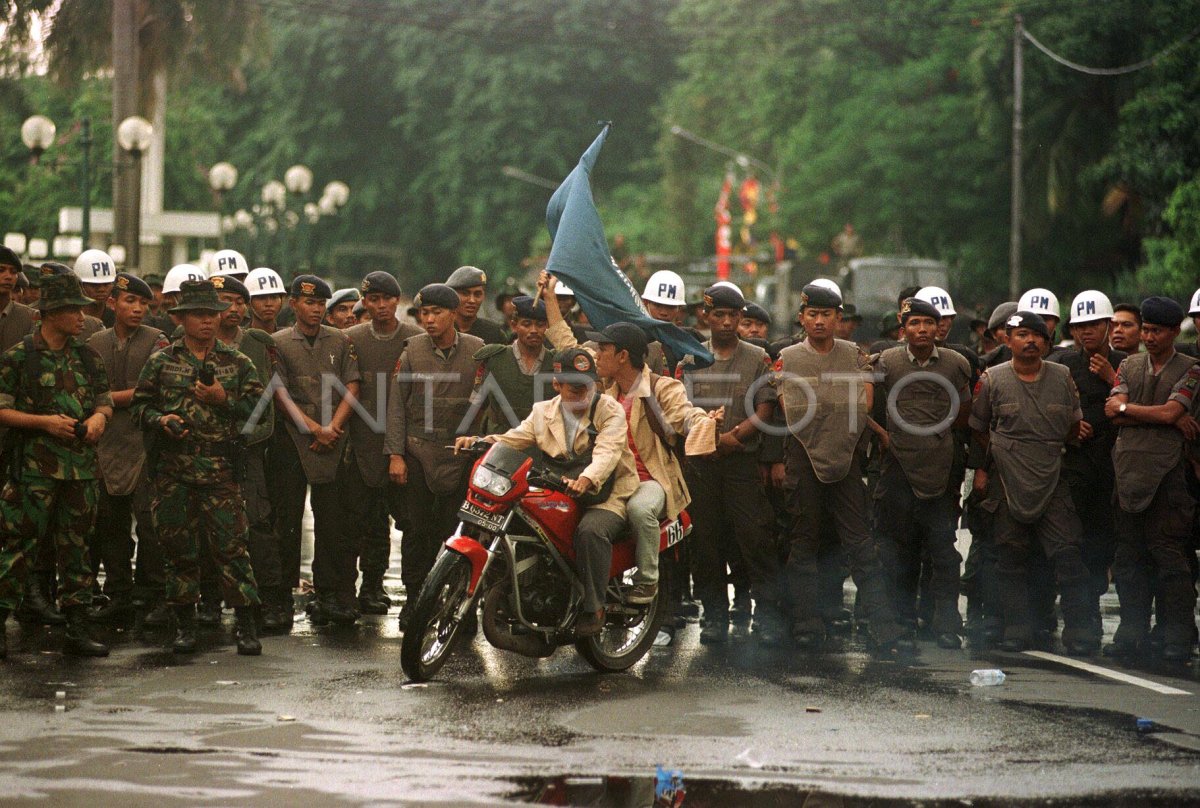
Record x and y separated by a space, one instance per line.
488 480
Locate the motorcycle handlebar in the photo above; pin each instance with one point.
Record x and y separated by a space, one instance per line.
541 478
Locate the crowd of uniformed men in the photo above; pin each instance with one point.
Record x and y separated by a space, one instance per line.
185 407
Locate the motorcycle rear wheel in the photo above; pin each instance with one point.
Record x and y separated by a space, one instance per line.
622 644
433 628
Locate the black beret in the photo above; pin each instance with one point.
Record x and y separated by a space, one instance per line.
10 259
1162 311
723 296
310 286
380 282
436 294
1030 320
132 284
1000 315
466 278
915 307
228 283
753 311
819 297
529 309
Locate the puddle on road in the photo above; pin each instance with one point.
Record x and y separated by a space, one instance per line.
640 792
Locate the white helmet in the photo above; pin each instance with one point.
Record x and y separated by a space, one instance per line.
95 266
265 281
830 285
180 273
1194 307
730 285
228 262
1039 301
563 290
937 297
666 288
1090 306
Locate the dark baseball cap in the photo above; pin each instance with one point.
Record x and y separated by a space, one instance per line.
574 366
625 336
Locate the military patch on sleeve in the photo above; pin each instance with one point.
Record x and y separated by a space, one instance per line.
480 372
979 384
679 371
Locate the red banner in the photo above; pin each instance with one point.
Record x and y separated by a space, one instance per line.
724 230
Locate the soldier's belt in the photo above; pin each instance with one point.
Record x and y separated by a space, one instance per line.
202 449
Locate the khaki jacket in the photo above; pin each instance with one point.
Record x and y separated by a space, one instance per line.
677 411
545 429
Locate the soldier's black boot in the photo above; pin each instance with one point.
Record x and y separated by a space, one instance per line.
371 597
38 606
247 631
185 629
3 634
78 641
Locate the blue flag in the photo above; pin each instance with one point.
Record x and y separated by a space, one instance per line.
579 255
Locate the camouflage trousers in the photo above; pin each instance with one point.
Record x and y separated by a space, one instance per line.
191 519
58 512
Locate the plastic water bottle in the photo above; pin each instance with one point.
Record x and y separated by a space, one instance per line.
987 678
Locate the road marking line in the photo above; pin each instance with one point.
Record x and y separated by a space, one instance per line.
1110 674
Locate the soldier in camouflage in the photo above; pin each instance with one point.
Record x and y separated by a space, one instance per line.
194 397
263 543
54 399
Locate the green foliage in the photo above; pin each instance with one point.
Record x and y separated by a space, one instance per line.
893 116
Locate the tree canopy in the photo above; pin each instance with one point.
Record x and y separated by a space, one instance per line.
895 117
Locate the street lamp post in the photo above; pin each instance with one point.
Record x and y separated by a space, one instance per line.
298 180
274 198
134 135
38 132
221 178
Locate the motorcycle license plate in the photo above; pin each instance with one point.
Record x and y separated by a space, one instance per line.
470 512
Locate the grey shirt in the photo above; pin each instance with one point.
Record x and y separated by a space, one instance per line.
825 412
726 383
915 407
378 357
307 369
1028 423
1144 453
121 451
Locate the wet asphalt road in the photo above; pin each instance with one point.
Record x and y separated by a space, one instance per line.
325 717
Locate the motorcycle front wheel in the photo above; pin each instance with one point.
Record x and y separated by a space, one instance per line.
434 625
626 638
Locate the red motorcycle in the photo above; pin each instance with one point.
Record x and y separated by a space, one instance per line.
514 554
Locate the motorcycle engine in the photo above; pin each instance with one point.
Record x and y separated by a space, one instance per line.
544 591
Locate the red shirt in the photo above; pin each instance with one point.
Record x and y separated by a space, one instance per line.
642 472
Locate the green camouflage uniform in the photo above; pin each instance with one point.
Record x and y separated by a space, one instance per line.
51 489
197 497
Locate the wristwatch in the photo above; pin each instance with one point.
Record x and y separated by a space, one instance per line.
1121 409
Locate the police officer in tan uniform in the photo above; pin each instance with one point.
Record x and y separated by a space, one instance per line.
826 418
124 483
1153 404
427 408
1024 412
316 361
379 342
